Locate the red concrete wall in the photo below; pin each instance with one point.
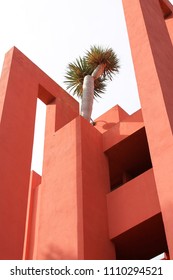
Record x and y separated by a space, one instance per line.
16 140
20 85
73 211
96 184
63 215
133 203
152 53
124 128
58 225
30 240
110 118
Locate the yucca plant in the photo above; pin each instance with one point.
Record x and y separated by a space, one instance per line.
86 76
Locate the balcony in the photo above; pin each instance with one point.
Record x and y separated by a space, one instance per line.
135 222
128 158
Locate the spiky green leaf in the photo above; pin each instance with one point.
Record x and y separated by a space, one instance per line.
75 74
98 55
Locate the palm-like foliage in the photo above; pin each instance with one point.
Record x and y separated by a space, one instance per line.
98 55
77 70
75 75
86 76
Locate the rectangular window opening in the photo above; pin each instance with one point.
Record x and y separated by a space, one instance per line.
39 135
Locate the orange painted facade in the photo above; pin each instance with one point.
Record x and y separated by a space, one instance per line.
105 190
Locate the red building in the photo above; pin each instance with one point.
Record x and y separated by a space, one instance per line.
106 191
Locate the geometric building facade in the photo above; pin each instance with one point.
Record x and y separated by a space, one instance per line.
106 191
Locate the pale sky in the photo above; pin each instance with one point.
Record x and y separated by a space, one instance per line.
53 33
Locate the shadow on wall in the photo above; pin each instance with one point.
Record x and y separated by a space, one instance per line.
107 125
54 252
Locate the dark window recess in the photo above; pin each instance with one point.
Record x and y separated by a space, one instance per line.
143 241
129 158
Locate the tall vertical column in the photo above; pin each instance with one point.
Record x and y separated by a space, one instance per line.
17 119
152 54
20 85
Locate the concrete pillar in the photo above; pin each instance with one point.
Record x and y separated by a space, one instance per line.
152 54
22 82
